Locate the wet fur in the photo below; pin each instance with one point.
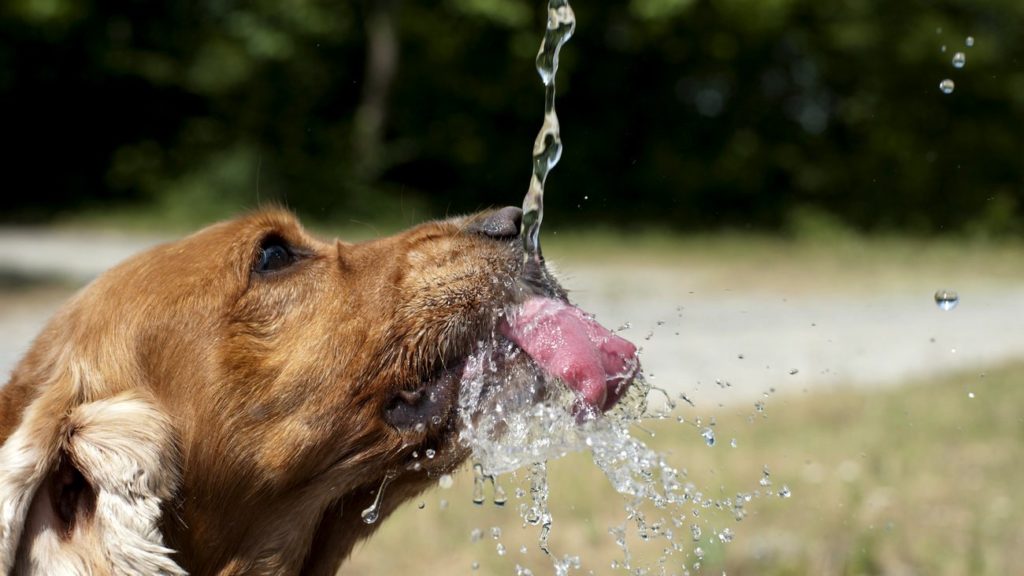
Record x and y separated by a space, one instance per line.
185 414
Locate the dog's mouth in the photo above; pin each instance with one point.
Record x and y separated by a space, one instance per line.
544 331
570 345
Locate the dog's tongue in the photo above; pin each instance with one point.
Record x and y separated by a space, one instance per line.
571 345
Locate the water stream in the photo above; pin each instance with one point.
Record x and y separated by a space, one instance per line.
547 148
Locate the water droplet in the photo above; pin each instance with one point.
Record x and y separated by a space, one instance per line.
419 427
947 86
421 505
522 549
495 532
709 436
794 372
946 299
969 41
500 548
725 536
475 565
943 49
959 59
431 453
732 443
476 535
970 395
784 492
372 513
500 498
445 481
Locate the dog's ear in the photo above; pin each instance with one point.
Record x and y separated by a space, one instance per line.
82 488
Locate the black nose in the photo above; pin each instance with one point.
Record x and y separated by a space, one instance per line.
502 224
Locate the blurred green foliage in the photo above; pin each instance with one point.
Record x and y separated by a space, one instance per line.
789 115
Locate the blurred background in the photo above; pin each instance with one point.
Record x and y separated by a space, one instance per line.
682 114
764 194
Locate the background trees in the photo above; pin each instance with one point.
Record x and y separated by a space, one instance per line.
690 114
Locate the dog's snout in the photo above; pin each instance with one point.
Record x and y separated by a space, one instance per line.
502 224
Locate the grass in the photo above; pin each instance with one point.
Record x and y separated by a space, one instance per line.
917 480
798 265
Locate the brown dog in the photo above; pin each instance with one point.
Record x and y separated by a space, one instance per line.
229 403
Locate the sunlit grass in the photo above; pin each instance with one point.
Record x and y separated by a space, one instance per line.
922 479
848 264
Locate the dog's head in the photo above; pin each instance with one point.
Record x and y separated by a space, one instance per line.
269 382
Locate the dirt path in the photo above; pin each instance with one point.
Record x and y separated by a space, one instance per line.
748 339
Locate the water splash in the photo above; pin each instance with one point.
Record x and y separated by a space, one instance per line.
547 148
515 417
372 513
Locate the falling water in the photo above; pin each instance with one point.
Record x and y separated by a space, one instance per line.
547 148
946 299
371 514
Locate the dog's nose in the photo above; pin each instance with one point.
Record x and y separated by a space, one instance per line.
502 224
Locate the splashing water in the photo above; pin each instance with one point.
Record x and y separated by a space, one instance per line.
515 417
547 148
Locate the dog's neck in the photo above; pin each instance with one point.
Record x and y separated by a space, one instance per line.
297 535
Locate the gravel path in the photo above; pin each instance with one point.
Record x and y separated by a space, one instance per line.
717 346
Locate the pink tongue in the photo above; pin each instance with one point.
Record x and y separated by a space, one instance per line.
572 346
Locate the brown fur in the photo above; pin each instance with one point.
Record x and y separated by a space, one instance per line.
273 385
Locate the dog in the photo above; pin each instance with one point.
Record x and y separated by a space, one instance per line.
230 402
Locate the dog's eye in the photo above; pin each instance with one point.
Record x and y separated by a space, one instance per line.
274 255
